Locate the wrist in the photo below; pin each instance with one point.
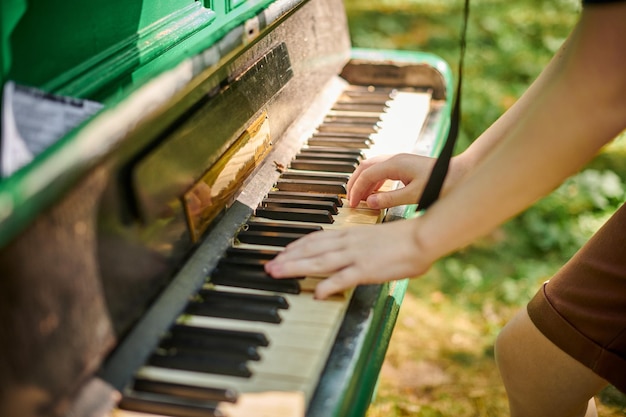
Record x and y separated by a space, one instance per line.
459 167
427 252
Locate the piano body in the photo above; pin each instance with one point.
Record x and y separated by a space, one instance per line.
131 250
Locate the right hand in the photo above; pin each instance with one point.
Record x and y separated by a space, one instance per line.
412 170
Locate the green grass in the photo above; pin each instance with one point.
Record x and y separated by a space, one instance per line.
440 361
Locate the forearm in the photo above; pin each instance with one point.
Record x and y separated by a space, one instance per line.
577 106
462 164
489 139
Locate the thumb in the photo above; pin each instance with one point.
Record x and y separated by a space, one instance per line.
391 198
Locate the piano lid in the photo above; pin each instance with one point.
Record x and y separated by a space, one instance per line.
79 49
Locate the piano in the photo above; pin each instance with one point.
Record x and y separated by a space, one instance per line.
132 248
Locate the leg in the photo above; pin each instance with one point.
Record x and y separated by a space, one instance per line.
540 379
591 409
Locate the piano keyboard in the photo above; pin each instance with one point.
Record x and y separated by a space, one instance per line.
249 345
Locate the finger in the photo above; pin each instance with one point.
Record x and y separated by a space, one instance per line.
404 195
371 180
311 245
363 166
353 200
337 283
361 189
318 266
355 175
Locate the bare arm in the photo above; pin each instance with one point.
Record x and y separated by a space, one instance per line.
413 170
576 106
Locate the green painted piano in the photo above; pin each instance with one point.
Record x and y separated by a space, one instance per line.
204 137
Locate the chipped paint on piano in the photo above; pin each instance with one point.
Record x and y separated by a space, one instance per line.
114 238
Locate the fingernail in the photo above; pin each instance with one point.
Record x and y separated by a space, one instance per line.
372 201
319 291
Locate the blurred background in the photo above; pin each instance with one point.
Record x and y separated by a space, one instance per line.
440 360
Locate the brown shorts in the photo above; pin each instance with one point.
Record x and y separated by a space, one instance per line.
582 309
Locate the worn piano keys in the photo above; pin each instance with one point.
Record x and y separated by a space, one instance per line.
131 251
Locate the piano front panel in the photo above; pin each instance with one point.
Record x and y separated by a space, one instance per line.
54 322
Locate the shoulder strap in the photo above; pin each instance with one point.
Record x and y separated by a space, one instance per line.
440 169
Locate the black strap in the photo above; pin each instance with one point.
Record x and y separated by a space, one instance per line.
438 174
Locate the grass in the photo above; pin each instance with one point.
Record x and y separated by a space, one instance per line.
440 359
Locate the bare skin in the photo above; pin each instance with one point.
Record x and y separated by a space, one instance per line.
576 106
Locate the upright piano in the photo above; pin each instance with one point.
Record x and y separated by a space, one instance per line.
132 248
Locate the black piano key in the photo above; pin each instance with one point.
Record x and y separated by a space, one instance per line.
291 214
254 280
353 119
251 338
206 345
168 406
250 307
271 238
327 166
371 99
266 314
362 107
297 175
224 266
357 143
338 127
347 135
330 187
328 156
335 199
277 301
285 227
197 361
178 349
263 254
335 150
191 392
303 204
244 262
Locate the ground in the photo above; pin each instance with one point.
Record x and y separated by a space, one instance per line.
440 360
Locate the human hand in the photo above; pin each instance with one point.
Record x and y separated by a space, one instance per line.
354 255
412 170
